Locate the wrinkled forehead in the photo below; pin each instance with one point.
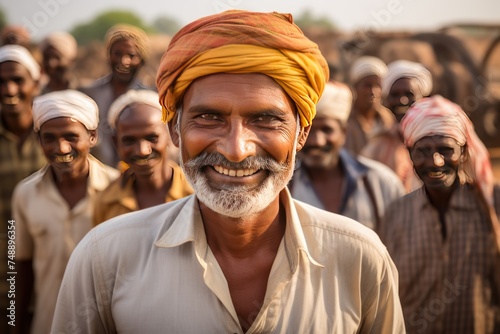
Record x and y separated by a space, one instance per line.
437 140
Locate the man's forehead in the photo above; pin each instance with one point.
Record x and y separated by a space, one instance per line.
436 139
13 66
61 123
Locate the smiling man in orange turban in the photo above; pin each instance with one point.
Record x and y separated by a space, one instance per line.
240 255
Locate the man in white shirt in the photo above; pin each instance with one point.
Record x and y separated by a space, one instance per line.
238 90
53 207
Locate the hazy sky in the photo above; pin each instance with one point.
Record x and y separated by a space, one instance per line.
44 16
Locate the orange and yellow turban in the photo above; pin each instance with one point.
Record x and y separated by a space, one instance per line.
238 41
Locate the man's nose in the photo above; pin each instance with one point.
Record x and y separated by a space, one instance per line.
238 144
126 61
144 148
438 159
64 147
11 88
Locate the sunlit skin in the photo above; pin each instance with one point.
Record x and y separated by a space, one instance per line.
368 92
321 150
17 91
401 96
66 144
141 139
436 160
124 60
320 158
239 116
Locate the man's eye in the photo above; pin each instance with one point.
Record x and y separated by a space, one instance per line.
267 120
208 117
127 141
152 139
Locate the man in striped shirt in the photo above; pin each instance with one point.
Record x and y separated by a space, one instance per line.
444 237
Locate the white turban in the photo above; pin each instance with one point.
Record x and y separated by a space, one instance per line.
65 103
366 66
335 102
407 69
21 55
132 96
62 42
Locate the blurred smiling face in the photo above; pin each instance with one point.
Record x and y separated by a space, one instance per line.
17 89
436 160
66 144
55 64
322 148
124 59
142 138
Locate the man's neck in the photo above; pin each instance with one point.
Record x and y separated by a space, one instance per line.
244 238
441 199
156 180
120 87
72 178
21 125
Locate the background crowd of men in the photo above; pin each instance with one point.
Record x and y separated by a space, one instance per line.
381 150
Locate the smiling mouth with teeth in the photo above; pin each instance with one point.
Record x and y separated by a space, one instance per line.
10 100
435 174
63 158
122 69
141 161
234 172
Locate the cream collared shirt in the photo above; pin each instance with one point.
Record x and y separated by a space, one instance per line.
47 231
152 271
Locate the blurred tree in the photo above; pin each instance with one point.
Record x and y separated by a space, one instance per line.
3 18
166 25
96 29
306 20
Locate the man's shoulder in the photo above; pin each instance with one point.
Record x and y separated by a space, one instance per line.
27 184
153 221
377 171
334 229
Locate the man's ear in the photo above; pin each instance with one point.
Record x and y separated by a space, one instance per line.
301 140
93 138
173 127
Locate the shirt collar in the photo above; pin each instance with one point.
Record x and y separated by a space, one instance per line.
463 198
188 227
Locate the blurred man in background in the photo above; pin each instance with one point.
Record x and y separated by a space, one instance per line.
20 152
142 140
330 178
445 236
53 207
59 50
127 50
405 83
368 116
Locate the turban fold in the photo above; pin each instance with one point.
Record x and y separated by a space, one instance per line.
366 66
21 55
437 116
238 41
335 102
65 103
130 97
121 31
407 69
62 42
